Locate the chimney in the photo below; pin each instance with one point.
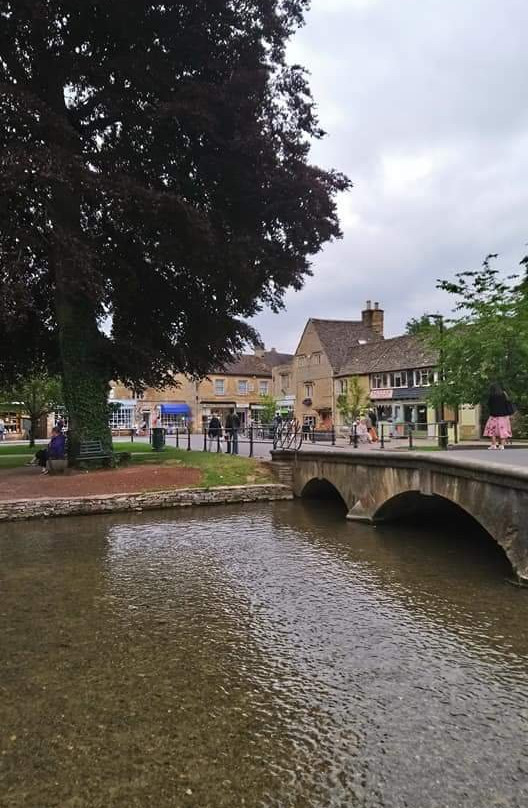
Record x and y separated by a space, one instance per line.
373 317
260 350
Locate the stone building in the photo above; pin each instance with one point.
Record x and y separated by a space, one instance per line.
395 375
238 385
320 355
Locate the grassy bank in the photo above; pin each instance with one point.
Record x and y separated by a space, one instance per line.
216 469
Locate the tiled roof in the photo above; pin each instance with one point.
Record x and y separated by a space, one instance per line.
253 365
397 353
337 336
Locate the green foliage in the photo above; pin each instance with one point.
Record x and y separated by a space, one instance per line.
37 396
270 408
351 403
420 325
154 172
486 341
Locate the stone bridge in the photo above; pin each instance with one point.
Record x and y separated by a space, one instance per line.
378 486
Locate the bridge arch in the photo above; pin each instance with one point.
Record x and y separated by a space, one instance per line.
378 486
321 488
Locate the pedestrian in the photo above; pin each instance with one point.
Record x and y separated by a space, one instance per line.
498 426
232 425
60 424
214 430
372 421
55 450
2 429
362 430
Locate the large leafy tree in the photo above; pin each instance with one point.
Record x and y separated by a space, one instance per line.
485 341
155 188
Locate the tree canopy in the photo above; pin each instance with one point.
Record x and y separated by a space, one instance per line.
155 186
485 341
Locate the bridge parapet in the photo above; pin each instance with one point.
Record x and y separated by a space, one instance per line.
377 486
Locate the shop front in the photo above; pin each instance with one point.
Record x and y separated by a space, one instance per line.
401 408
173 416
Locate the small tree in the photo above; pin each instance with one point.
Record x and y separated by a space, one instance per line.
37 396
485 341
420 325
351 403
269 408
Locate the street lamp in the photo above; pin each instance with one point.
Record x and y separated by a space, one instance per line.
442 432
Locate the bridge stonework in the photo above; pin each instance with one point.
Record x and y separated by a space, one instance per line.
378 486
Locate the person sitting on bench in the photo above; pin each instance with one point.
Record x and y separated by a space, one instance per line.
55 450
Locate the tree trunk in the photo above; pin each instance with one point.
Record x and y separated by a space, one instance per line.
32 431
85 370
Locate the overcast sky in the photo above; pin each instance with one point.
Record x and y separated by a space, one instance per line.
425 106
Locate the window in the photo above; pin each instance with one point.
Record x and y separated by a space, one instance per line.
243 387
342 387
263 388
301 360
379 380
172 422
316 359
219 387
308 390
285 381
122 418
422 378
399 379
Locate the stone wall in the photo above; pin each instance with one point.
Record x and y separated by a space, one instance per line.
114 503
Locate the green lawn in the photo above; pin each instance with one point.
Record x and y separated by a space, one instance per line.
217 469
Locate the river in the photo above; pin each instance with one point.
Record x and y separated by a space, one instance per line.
268 655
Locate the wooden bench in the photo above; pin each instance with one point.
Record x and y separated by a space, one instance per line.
92 450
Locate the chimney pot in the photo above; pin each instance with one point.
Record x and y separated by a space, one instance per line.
376 306
369 305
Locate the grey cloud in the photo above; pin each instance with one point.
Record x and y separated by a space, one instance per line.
425 109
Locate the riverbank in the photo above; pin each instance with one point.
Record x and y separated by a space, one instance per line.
23 509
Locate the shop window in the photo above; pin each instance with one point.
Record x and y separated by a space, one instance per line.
122 418
172 422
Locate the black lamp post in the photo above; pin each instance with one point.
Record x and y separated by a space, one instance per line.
442 432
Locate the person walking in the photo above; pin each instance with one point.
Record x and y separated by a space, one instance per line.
214 430
2 429
498 426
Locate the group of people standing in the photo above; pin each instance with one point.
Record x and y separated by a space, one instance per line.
365 428
230 431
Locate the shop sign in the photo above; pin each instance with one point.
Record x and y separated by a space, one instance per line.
381 393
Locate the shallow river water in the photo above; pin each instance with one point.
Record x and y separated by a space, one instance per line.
266 655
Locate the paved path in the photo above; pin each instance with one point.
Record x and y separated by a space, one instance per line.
510 456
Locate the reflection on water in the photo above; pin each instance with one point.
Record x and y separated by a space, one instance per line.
272 655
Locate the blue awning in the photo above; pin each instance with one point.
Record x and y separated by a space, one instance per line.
175 409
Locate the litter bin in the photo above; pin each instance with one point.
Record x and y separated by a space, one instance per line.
158 438
442 435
